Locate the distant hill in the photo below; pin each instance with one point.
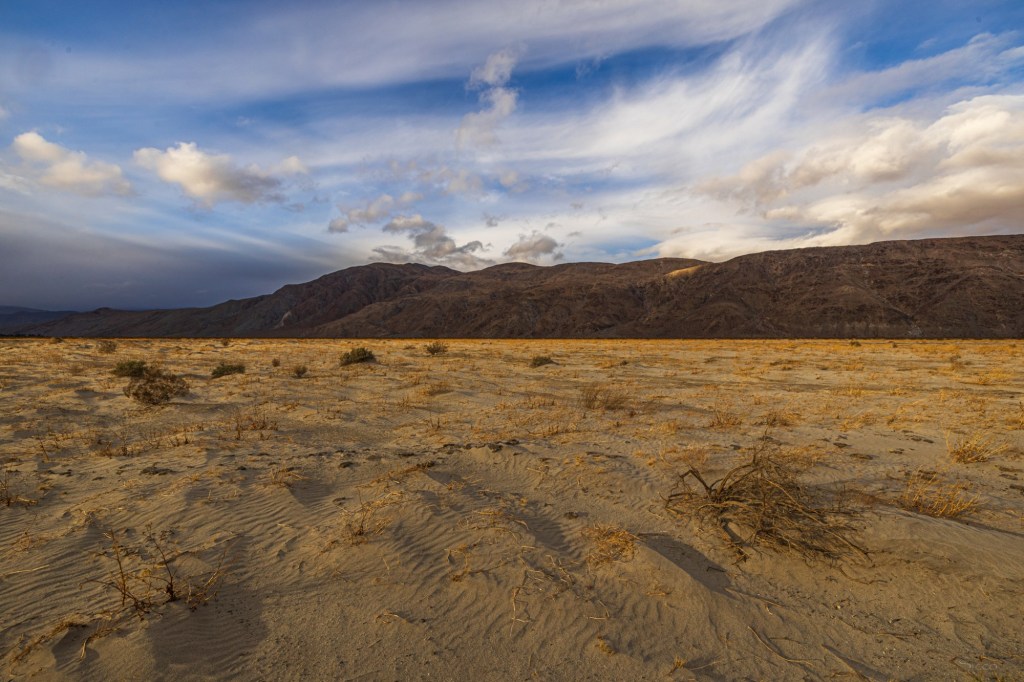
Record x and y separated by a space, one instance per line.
965 287
14 319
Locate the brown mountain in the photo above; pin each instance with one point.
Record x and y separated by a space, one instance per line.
964 287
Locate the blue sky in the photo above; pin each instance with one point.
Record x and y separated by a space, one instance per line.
178 154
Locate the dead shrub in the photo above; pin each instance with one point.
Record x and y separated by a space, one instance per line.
436 348
357 355
106 346
146 584
226 368
299 371
541 360
601 397
761 503
155 387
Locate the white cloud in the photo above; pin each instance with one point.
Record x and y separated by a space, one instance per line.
478 128
897 178
52 165
497 70
533 247
3 113
211 178
373 211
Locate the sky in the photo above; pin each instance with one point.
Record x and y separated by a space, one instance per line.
170 154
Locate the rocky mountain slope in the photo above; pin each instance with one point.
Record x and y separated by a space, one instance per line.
963 287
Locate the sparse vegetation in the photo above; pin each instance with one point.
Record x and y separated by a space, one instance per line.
436 348
929 493
601 397
357 355
971 448
133 369
609 543
541 360
225 368
155 387
8 497
155 583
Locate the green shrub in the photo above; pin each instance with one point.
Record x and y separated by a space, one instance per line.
300 371
106 346
355 355
225 368
155 387
436 348
130 368
541 360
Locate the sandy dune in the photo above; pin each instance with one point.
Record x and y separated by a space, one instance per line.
468 516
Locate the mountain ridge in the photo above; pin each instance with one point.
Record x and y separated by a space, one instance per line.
967 287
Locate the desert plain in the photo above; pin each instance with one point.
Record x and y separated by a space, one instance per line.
467 515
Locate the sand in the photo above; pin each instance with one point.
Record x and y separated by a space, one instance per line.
467 516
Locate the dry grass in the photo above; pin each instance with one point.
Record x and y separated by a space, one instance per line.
369 518
8 497
723 418
609 543
973 447
928 493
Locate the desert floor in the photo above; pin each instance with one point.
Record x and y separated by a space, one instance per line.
465 515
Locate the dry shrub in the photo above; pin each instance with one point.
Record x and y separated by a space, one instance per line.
299 371
777 417
723 418
436 388
609 543
133 369
928 493
541 360
601 397
155 387
226 368
145 585
106 346
761 503
436 348
975 447
368 518
357 355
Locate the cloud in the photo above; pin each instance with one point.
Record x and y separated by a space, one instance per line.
432 244
533 247
895 177
211 178
478 128
373 211
497 70
52 165
3 112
